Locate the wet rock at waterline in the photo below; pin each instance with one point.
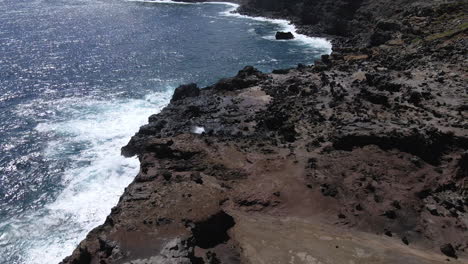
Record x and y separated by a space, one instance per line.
284 35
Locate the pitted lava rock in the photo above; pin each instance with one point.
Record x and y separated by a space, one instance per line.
360 158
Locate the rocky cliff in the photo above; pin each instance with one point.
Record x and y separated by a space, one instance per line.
360 158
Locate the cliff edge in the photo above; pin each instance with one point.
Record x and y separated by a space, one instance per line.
360 158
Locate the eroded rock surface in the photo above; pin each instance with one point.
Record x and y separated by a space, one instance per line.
360 158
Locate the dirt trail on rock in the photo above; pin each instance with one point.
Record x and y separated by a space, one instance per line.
265 239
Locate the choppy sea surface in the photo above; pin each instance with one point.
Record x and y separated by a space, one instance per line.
78 78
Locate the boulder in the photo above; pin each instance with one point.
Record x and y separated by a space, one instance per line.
379 37
284 35
247 77
184 91
448 250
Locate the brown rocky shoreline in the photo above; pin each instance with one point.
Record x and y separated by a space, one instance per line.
360 158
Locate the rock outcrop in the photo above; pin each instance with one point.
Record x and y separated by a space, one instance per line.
284 35
360 158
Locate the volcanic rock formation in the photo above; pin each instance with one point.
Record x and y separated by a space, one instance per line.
360 158
284 35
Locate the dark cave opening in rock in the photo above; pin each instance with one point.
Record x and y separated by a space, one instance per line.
213 231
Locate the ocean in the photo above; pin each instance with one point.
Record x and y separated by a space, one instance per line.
77 80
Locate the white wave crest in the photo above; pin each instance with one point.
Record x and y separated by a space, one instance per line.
314 42
285 25
93 182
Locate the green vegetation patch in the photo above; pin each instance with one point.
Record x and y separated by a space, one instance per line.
449 33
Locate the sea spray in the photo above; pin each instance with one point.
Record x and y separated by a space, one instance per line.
95 179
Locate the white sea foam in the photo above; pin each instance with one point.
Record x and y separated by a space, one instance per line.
268 60
285 25
93 182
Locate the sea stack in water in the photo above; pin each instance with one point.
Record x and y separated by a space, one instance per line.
284 35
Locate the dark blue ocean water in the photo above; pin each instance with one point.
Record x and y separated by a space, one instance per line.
78 78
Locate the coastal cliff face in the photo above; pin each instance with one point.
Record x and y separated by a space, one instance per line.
360 158
330 17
